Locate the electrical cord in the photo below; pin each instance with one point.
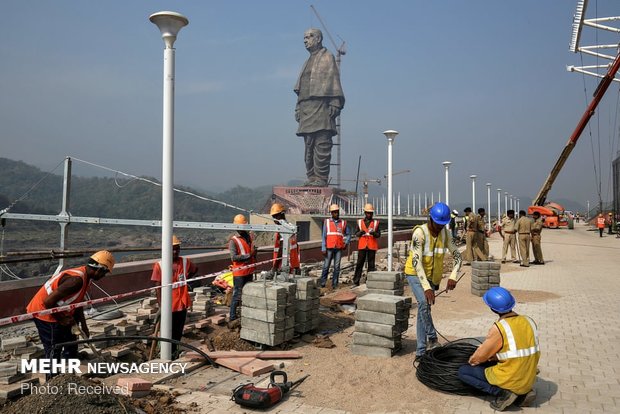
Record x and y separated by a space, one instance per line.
438 367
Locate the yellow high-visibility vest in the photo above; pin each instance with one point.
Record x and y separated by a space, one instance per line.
433 251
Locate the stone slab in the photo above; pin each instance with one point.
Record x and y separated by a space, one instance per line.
263 314
378 284
362 338
384 276
261 338
381 303
372 351
387 331
386 292
268 291
263 327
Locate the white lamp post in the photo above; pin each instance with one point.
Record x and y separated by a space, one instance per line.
511 199
446 165
169 24
506 201
473 193
489 205
390 135
499 205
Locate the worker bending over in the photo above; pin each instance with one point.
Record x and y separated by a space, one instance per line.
424 270
182 269
243 257
368 234
67 287
505 364
277 212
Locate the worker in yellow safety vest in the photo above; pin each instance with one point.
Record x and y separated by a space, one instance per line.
368 234
277 212
505 364
243 257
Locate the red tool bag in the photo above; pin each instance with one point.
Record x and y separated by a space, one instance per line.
250 396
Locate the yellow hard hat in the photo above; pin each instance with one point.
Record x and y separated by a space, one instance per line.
104 258
369 208
175 240
334 207
611 214
277 208
240 219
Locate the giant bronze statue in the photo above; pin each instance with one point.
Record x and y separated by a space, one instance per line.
319 102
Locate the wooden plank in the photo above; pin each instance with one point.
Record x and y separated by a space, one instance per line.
255 354
247 366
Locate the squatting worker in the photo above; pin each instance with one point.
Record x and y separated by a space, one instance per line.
65 288
182 269
368 234
505 364
537 226
508 232
336 238
243 257
524 229
277 212
424 270
319 102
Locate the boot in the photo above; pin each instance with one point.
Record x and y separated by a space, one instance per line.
503 400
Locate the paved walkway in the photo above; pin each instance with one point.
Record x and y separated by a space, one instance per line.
579 331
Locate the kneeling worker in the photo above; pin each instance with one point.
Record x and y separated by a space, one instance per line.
424 269
505 364
182 269
67 287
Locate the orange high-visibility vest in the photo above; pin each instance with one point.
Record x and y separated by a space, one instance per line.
335 234
243 268
36 304
293 251
366 241
180 294
600 222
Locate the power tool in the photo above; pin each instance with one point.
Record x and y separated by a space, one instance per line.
248 395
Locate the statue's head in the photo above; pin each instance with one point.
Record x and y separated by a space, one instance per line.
313 39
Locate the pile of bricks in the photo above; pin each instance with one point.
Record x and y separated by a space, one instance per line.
385 283
134 387
20 348
11 380
306 305
380 321
268 312
484 275
201 300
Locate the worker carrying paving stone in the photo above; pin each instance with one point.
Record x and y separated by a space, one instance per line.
182 269
505 364
67 287
424 270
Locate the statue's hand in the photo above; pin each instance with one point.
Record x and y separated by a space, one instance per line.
334 111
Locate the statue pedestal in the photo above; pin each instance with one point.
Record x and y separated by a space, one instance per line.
304 200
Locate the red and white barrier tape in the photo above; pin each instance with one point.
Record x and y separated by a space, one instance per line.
27 316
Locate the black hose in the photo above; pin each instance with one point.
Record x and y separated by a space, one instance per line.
438 368
140 337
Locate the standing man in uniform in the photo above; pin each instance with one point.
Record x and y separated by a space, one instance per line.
470 227
64 288
600 223
336 238
610 222
524 229
277 212
507 231
537 226
452 225
243 257
424 270
481 236
319 102
182 269
368 234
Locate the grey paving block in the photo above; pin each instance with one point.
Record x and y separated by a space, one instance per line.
262 338
387 331
381 303
493 266
263 314
479 286
378 317
495 279
384 276
377 284
9 344
262 326
306 305
304 327
477 292
268 290
372 351
480 265
480 279
262 303
306 316
480 272
362 338
399 292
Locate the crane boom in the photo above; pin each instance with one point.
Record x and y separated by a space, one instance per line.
340 50
583 122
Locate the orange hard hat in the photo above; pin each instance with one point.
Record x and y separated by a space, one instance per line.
334 207
240 219
104 258
175 240
368 208
277 208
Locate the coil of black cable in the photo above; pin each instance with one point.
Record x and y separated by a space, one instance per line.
438 368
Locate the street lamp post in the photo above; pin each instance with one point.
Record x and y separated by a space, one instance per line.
499 205
489 205
473 192
506 201
390 135
169 24
446 165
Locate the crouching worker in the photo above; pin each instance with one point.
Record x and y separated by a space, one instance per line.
182 269
505 364
67 287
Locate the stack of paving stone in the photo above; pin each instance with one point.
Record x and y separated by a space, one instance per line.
380 321
306 304
12 381
21 348
484 275
385 283
9 373
268 312
201 300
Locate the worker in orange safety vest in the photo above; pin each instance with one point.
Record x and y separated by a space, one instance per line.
368 234
600 223
335 239
277 212
64 288
243 257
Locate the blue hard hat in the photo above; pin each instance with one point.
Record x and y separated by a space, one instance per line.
440 213
499 299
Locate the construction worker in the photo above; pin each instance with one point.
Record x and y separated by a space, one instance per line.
610 222
368 234
508 230
481 236
182 269
424 270
277 212
64 288
336 238
243 257
600 223
537 226
524 229
452 225
505 364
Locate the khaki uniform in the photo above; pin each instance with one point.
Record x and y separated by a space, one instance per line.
472 249
509 229
537 227
524 228
481 238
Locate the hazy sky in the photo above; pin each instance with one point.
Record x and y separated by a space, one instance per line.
482 84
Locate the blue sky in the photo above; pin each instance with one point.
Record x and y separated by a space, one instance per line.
482 84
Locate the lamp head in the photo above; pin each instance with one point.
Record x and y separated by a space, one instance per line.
169 24
390 134
447 163
488 184
473 177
